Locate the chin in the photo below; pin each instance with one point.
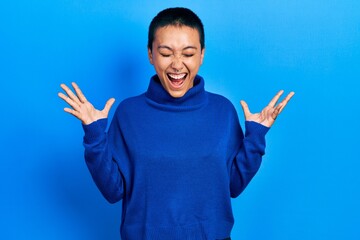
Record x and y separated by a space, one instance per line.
177 94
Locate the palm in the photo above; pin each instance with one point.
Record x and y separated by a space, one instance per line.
264 117
81 107
269 114
87 113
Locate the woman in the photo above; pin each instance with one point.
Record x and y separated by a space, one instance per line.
175 154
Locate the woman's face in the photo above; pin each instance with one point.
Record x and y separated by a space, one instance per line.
176 55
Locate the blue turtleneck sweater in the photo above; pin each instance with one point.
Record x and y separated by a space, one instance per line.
174 162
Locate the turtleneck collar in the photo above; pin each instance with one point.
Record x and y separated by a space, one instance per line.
194 98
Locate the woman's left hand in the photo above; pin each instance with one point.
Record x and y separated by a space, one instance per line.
269 114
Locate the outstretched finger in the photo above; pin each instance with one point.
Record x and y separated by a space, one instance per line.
108 105
70 93
276 111
73 112
79 93
286 100
69 101
273 101
245 108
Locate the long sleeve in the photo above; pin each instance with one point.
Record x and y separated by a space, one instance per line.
100 161
249 156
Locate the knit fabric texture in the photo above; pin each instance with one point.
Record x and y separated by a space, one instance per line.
174 162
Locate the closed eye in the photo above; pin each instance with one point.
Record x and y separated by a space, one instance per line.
165 55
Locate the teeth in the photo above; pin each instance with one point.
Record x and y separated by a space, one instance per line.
177 76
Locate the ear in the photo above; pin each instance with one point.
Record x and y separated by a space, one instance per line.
202 56
150 56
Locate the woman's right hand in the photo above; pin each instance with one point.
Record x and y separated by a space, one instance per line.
81 107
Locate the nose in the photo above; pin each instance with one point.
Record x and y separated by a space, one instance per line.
177 63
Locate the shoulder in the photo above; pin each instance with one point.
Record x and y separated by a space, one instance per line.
219 101
223 108
135 100
130 104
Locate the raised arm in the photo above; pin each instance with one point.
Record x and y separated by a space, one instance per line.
99 148
249 156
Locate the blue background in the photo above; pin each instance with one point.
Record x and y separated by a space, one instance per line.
308 185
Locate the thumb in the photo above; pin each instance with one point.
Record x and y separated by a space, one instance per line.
108 105
245 108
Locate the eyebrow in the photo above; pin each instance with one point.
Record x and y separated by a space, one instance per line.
169 48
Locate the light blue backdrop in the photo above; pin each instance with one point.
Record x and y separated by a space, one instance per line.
308 185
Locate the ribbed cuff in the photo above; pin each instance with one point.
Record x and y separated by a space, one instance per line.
254 128
94 130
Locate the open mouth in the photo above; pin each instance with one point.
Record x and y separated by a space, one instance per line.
177 80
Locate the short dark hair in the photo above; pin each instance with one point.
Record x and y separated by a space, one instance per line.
176 17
